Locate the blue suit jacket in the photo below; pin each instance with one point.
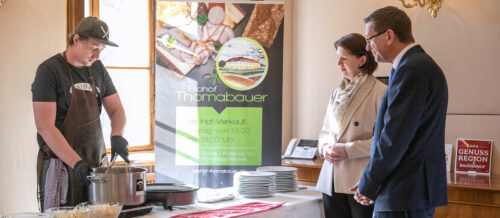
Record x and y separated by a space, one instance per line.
407 168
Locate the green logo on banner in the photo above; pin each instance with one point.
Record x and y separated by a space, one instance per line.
242 63
205 137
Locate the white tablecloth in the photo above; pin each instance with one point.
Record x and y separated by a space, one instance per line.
299 204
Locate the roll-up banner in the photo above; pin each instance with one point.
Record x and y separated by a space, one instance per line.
218 89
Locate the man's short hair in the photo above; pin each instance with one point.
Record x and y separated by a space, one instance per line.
392 18
71 41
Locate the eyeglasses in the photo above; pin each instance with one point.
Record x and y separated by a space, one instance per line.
369 39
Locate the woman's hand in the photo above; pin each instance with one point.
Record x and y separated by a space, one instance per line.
335 153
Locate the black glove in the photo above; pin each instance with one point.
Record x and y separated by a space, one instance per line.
81 171
119 145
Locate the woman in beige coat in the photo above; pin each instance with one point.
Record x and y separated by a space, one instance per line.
345 138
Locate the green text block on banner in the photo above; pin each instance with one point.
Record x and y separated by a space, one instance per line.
206 137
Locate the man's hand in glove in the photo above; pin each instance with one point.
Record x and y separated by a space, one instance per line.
119 145
81 171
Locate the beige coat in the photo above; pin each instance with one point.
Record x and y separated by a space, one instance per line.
356 132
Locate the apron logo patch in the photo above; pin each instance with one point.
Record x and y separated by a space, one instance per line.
85 87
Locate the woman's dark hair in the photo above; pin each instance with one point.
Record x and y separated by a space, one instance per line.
70 39
355 44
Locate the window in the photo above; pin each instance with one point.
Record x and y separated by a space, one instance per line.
130 65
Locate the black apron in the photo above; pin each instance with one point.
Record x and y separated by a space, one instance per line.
82 130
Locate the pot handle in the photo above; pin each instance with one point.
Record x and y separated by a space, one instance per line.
97 179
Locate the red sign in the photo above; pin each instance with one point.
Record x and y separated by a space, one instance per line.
473 156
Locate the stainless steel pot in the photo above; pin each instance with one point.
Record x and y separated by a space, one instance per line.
122 184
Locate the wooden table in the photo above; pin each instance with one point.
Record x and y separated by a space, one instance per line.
307 170
471 196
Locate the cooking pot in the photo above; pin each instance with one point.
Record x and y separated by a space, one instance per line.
121 184
171 194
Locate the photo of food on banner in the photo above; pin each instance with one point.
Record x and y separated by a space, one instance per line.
189 36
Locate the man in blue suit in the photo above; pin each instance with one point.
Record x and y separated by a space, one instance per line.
406 175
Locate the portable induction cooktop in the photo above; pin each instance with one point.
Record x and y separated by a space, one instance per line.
171 194
136 210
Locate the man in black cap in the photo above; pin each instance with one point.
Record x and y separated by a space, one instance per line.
68 93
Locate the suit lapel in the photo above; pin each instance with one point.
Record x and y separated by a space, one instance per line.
359 97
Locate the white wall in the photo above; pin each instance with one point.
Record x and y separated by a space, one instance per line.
315 27
287 76
463 40
31 31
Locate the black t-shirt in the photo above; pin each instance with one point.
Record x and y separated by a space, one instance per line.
53 84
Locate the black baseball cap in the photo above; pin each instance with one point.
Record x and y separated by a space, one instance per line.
95 29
